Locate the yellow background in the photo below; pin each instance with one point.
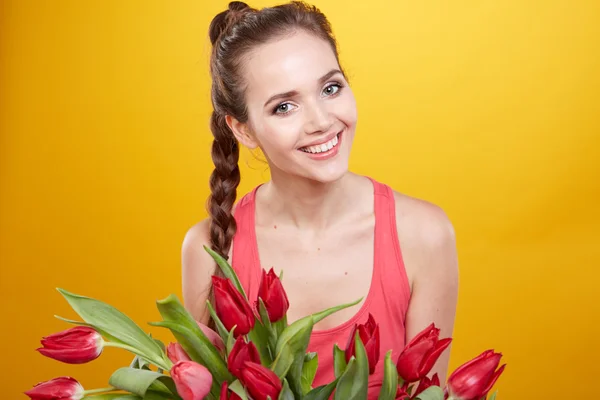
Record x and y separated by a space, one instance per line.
488 108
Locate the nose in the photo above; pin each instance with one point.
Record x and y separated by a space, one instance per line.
318 118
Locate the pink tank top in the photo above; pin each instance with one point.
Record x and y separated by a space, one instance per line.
387 299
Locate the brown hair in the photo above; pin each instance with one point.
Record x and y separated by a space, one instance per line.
233 33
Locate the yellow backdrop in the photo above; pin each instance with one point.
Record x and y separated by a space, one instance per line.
489 109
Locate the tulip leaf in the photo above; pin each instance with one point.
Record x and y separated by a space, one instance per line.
259 335
390 379
227 270
218 323
322 392
270 329
493 396
114 396
353 383
291 346
139 381
286 393
113 322
431 393
237 388
100 331
339 361
230 340
309 370
200 351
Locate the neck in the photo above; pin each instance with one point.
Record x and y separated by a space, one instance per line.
305 203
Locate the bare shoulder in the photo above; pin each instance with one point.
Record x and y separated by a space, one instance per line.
197 267
426 236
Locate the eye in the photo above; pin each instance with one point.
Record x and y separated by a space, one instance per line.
332 89
283 108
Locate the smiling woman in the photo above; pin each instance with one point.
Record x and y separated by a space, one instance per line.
278 85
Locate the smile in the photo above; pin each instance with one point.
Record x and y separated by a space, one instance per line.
321 148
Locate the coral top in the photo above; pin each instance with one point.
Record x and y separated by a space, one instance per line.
387 299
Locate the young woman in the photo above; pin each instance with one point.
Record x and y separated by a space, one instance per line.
278 85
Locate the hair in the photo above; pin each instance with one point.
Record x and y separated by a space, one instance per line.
233 34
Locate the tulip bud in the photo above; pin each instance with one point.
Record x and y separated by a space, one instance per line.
176 353
426 382
475 378
77 345
212 336
240 353
231 307
273 295
192 380
260 381
369 335
420 354
61 388
225 395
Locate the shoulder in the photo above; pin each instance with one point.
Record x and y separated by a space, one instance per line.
427 238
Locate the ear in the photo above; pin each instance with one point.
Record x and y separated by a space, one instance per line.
241 131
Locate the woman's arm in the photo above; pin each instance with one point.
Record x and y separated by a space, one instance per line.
428 244
197 268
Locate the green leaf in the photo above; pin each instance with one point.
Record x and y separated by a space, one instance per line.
113 322
322 392
354 382
431 393
286 392
325 313
493 396
195 343
230 341
227 270
201 351
390 379
100 331
292 345
139 381
259 335
218 323
309 370
339 361
237 388
113 396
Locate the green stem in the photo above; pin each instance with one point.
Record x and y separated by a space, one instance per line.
136 352
102 390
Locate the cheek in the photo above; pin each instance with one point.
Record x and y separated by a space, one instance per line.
346 110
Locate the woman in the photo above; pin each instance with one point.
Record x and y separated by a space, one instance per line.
278 86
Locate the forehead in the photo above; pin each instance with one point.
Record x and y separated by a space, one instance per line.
289 63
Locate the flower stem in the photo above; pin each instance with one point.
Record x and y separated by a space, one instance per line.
102 390
136 352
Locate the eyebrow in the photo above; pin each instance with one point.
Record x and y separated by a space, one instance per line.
292 93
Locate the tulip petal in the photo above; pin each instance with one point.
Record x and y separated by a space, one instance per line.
431 358
493 380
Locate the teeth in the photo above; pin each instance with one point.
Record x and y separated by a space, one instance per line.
321 147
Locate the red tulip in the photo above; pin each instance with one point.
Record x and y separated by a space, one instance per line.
273 295
231 307
420 354
192 380
401 394
425 383
225 395
260 381
240 353
61 388
176 353
475 378
213 336
77 345
369 335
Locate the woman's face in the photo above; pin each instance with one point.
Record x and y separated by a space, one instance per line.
301 111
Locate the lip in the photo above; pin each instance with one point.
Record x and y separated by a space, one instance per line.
323 140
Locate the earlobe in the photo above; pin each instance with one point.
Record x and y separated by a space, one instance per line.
241 131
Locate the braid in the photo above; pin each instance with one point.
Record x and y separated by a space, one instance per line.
223 185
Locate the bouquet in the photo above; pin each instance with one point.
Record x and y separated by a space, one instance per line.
254 354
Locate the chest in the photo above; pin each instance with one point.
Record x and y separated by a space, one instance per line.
322 270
